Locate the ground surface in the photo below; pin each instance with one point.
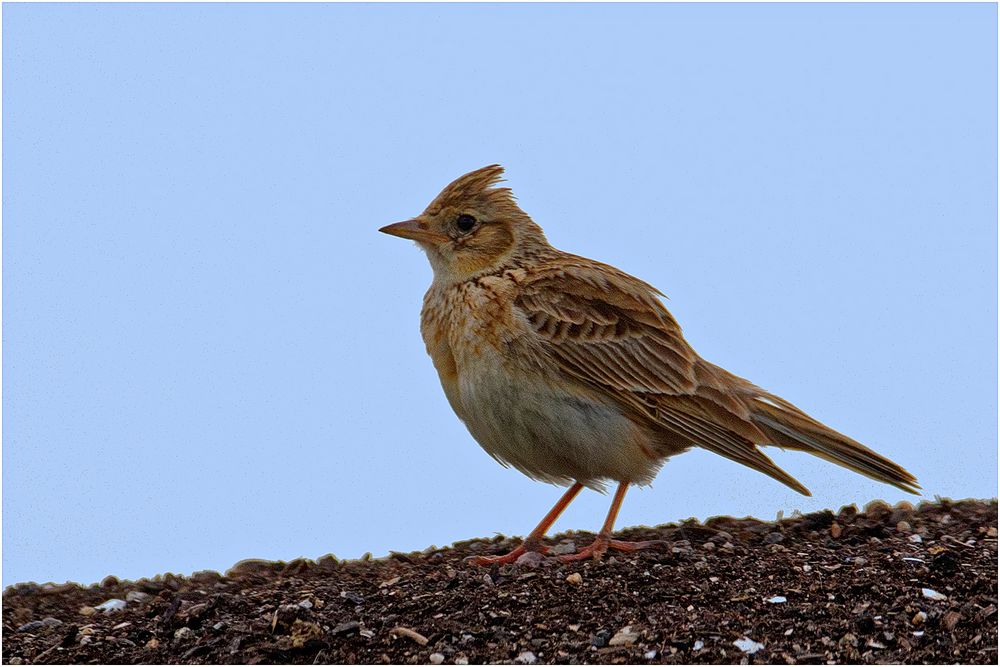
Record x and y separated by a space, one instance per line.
887 585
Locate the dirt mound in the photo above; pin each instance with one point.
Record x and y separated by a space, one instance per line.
890 584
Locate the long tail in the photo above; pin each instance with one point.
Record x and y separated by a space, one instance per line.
788 427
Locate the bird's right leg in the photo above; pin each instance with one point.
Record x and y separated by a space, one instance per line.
534 540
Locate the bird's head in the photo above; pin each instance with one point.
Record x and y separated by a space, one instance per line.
472 227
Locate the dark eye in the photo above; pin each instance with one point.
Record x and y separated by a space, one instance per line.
465 223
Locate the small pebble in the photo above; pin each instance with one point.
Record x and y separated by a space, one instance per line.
153 643
774 538
698 645
138 597
461 660
748 645
835 530
916 539
353 597
526 658
575 579
111 606
624 637
918 618
344 628
183 634
563 548
530 559
31 626
932 594
15 661
904 527
410 634
436 658
650 655
991 532
777 599
87 611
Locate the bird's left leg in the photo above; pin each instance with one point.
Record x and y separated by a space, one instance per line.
534 540
603 541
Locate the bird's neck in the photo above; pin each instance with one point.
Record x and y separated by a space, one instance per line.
522 255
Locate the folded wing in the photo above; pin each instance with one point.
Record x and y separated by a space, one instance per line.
609 330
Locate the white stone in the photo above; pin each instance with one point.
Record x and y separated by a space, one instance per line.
932 594
748 645
111 606
624 637
777 599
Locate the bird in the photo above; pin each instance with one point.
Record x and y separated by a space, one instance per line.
574 372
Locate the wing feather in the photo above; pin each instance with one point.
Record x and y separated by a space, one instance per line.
609 330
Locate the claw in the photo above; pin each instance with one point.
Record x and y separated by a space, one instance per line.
508 557
600 545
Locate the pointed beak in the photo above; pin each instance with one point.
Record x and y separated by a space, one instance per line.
413 229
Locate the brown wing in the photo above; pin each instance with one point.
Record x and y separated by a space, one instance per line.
609 330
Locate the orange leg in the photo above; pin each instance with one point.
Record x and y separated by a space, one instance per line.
534 540
603 541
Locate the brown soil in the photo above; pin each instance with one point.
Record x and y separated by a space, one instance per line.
824 587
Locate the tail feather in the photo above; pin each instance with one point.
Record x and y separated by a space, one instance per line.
789 427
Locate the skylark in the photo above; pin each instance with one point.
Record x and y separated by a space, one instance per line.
573 372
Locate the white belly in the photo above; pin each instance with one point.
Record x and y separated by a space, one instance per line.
548 433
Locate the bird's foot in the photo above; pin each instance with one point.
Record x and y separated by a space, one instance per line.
527 547
600 545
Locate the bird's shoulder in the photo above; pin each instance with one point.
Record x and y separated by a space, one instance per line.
575 299
608 328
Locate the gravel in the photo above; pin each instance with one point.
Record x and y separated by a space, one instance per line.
853 588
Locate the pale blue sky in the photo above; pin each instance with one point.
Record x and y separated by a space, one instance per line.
209 353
